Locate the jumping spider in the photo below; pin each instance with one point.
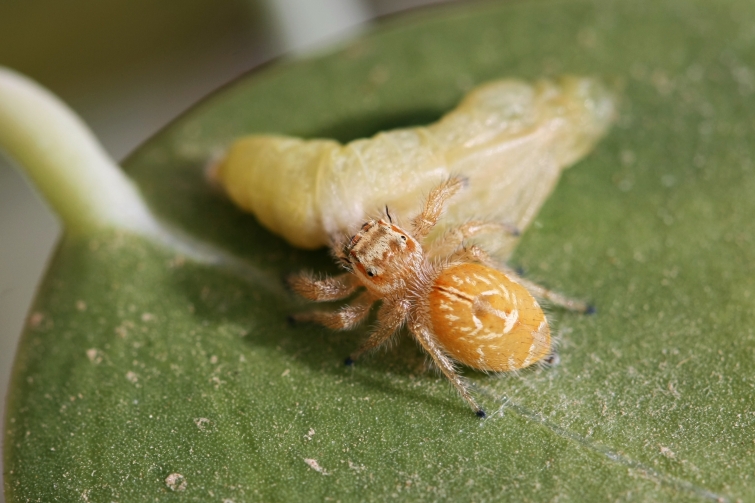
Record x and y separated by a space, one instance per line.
458 304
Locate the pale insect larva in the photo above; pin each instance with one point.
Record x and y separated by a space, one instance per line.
510 139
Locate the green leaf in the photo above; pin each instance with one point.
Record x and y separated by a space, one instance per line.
145 375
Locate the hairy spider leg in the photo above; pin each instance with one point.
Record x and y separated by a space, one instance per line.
424 222
345 318
454 237
391 317
323 290
429 342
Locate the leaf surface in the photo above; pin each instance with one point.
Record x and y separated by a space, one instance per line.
144 375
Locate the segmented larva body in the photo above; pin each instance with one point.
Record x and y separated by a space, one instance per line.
487 321
510 139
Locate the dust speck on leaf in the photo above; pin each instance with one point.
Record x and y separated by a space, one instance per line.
148 316
176 482
81 305
94 355
202 423
312 463
667 452
123 329
131 377
36 319
355 467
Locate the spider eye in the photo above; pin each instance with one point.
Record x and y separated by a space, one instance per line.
370 274
403 237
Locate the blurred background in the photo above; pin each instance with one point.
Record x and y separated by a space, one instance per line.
128 67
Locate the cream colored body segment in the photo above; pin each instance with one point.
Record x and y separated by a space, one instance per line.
508 138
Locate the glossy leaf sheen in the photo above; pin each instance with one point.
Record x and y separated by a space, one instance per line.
138 364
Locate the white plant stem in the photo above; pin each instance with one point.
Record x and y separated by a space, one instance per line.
75 175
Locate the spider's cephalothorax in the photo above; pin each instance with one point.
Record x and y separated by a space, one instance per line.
458 305
385 258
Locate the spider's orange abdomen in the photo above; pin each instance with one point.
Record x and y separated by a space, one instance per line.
486 321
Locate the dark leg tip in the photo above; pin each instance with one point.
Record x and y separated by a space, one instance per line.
348 361
552 359
291 320
591 309
520 271
480 413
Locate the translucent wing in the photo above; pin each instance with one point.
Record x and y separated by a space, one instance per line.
511 140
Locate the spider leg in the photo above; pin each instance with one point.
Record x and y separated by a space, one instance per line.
323 290
475 253
337 243
444 363
345 318
390 318
423 223
545 293
453 238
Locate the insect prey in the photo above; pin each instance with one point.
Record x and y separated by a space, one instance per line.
510 139
458 304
